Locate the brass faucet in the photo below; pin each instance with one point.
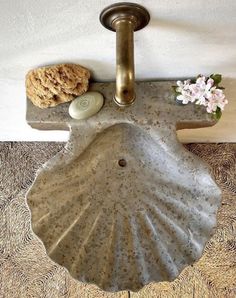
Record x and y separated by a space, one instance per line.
124 19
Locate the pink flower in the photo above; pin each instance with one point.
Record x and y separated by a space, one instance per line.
182 86
210 83
202 92
185 97
201 82
198 94
199 89
216 98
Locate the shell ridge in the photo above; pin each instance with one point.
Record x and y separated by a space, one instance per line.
110 249
85 241
41 219
174 230
172 205
162 250
65 233
141 260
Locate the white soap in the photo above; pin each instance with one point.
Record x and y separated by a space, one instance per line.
86 105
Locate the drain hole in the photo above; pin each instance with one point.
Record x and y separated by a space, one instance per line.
122 163
125 91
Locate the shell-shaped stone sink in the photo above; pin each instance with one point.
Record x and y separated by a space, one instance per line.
124 203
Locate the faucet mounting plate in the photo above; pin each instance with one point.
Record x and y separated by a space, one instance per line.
135 12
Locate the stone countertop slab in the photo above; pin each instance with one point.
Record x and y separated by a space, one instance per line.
162 100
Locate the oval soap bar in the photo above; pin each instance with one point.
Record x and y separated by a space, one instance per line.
86 105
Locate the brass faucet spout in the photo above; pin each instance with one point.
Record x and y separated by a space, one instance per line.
124 19
125 94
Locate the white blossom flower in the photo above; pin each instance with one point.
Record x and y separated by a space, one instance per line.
201 82
202 92
216 98
210 83
182 86
185 97
198 94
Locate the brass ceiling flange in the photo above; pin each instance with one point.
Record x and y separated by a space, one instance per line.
135 12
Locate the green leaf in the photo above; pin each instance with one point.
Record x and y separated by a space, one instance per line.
217 78
175 92
174 88
218 113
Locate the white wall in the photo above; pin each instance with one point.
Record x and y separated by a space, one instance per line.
184 38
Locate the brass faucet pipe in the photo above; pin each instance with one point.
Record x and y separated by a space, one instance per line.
125 77
124 18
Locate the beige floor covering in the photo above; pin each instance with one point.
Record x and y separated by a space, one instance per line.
26 271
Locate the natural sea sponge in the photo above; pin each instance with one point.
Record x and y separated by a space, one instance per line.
53 85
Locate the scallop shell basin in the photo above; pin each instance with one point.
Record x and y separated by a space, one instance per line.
124 203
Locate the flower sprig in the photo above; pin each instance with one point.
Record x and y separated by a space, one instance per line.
203 91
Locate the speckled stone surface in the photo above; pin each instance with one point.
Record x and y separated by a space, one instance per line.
122 225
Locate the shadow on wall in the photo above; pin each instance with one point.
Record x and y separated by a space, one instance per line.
95 66
230 92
